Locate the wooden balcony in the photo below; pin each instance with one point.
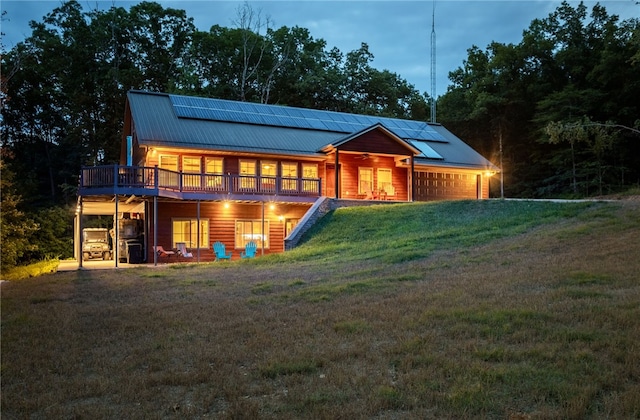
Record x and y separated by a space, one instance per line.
153 181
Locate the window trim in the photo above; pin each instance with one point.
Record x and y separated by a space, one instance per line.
361 170
204 232
243 242
198 158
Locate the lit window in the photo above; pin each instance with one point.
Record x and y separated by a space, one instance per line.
267 168
168 162
365 180
213 168
251 230
289 176
213 165
384 180
191 177
268 172
247 174
191 164
310 175
166 178
186 230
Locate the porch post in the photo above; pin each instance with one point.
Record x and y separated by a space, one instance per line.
116 257
262 228
198 230
80 236
337 175
412 189
155 227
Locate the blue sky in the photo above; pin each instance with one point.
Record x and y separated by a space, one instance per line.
398 32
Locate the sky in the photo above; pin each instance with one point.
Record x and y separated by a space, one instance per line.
398 32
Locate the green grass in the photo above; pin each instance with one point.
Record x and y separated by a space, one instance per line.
31 270
490 309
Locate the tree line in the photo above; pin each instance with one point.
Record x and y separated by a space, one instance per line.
557 111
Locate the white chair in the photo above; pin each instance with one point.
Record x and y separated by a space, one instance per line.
182 250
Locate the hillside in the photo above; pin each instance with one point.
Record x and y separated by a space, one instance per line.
472 309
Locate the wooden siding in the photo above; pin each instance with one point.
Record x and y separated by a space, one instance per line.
376 141
222 224
350 163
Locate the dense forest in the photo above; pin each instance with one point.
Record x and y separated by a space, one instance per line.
559 112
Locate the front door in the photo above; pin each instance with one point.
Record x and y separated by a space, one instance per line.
331 179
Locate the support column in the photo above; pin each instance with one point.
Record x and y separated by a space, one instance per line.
412 190
262 228
155 228
116 256
198 231
80 235
337 175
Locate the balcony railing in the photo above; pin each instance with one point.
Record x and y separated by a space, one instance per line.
153 178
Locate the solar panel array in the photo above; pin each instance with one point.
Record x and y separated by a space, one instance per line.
290 117
427 151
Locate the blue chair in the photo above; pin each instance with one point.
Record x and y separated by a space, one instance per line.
220 251
249 250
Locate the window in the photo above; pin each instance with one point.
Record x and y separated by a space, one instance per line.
268 173
267 168
251 230
289 176
186 230
247 174
384 180
310 175
191 172
168 162
289 225
165 178
213 167
365 180
191 164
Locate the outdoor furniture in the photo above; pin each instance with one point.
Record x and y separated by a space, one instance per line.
220 251
163 252
249 250
182 250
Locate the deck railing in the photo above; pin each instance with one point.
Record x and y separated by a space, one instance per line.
154 178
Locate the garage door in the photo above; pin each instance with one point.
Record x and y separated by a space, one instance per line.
445 186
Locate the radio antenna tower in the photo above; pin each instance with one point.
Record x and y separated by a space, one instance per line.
433 64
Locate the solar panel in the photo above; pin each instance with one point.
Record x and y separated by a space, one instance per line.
283 116
426 150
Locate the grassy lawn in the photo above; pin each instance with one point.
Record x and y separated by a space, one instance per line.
472 309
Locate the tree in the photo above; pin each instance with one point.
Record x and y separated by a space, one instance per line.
16 229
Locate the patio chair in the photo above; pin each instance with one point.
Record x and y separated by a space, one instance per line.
182 250
220 251
249 250
163 252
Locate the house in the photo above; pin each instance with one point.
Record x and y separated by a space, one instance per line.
199 170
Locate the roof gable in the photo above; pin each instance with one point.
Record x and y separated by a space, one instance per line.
374 139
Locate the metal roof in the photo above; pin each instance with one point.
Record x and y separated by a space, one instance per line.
167 120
